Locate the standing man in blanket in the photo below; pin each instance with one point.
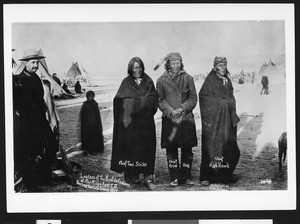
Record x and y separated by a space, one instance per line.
220 152
177 98
134 134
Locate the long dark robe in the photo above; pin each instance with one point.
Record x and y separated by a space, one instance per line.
220 152
91 127
77 87
134 137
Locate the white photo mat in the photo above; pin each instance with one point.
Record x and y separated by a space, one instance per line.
151 201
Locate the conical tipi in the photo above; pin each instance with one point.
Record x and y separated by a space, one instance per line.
76 74
274 75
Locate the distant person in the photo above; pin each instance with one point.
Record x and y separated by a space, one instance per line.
33 126
242 73
78 87
241 80
56 79
253 77
65 87
265 84
177 99
52 137
134 135
220 152
91 126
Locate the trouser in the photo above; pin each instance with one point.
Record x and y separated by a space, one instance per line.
31 159
29 142
184 171
265 90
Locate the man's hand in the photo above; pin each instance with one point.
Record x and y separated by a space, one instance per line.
177 113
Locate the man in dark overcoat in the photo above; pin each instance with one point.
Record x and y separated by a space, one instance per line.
33 123
177 99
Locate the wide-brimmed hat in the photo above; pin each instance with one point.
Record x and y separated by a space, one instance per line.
170 57
30 54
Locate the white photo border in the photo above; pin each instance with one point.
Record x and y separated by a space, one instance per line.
150 201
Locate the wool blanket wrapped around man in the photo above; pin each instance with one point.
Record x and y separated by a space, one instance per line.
134 135
220 152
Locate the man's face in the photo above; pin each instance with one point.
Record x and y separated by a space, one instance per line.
175 66
32 65
221 68
137 70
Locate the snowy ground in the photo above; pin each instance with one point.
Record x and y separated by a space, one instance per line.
263 119
249 101
272 107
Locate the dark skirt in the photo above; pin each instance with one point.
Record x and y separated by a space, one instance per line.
92 139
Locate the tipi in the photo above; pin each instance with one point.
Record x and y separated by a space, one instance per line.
76 74
43 72
280 60
275 76
14 63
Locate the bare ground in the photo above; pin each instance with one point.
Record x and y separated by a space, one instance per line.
259 172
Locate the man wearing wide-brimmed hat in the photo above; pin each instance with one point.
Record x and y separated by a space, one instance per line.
177 99
34 126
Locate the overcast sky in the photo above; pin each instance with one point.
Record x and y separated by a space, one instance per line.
104 49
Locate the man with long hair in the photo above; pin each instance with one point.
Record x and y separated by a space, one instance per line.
134 135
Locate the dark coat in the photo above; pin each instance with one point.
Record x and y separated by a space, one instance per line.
30 105
77 87
220 152
134 135
32 97
180 92
91 127
265 82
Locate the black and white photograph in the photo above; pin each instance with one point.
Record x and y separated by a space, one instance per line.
134 108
